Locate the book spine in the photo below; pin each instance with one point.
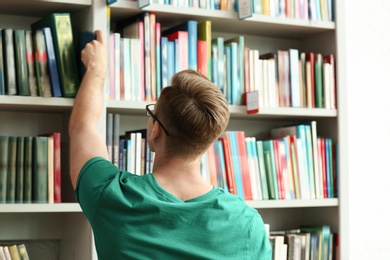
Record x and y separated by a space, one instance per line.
19 170
21 63
11 170
40 170
43 78
52 64
30 58
9 62
28 169
3 168
2 83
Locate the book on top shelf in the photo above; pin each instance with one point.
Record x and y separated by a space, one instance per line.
30 57
205 34
23 88
9 62
61 28
42 72
2 83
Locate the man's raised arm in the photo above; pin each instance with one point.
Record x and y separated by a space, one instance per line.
85 140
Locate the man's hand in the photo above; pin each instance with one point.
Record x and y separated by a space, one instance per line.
94 55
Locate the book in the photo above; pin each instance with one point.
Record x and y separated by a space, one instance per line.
40 170
270 168
52 63
109 135
115 139
3 168
243 157
30 57
23 252
134 28
14 252
61 28
28 169
54 155
227 154
23 88
218 68
318 71
11 170
41 67
2 83
202 58
236 164
19 180
84 37
181 49
9 62
238 62
205 34
191 26
262 170
294 78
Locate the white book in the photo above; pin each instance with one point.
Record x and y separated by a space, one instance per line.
126 68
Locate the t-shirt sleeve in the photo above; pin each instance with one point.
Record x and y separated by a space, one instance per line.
94 177
261 245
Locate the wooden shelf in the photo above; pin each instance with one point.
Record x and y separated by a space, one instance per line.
40 208
268 204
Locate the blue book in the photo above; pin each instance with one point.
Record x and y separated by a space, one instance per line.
228 69
218 68
52 63
239 63
84 38
191 27
236 163
294 78
171 60
235 93
164 62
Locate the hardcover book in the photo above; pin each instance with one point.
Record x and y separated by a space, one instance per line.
61 28
23 88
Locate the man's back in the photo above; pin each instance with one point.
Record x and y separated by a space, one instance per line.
133 217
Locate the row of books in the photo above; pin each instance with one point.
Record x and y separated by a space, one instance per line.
40 61
129 151
293 163
283 78
13 252
304 243
314 10
284 168
30 168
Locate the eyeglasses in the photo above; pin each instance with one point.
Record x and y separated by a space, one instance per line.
149 112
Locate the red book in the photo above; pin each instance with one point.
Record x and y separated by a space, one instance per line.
246 180
231 184
202 57
279 170
310 61
323 166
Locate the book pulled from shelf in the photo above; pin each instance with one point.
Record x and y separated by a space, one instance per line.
61 29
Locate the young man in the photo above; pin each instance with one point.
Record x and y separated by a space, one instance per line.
171 213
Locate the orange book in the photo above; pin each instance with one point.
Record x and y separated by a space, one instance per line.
202 57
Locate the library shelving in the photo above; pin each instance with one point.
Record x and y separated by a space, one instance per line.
65 223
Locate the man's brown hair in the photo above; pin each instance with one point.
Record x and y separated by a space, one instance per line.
194 111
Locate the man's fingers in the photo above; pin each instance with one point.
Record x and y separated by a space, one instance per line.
100 37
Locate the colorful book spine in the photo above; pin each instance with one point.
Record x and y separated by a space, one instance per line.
205 34
30 57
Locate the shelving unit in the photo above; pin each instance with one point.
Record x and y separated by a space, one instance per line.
65 222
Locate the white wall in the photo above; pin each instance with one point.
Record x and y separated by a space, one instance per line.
364 42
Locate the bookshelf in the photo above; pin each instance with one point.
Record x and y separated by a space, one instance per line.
65 223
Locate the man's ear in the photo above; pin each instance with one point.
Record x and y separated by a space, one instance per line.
156 130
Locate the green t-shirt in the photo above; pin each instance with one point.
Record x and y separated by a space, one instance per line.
133 217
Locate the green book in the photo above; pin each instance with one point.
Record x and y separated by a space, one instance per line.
40 170
270 168
28 169
19 169
11 170
61 27
3 168
21 63
318 81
